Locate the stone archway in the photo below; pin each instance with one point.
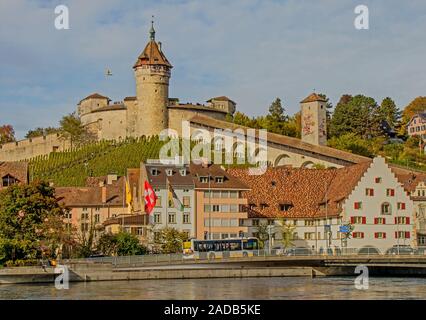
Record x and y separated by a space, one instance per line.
307 165
281 160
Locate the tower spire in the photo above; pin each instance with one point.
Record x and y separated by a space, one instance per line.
152 31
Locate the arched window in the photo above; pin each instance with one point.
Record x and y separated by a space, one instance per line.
386 208
8 180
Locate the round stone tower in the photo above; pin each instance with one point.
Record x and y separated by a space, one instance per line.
152 72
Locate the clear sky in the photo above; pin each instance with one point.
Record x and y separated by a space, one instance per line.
249 50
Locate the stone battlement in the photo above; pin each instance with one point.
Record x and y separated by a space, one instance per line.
30 148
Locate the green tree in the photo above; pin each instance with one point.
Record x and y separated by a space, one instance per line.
171 240
352 143
107 244
359 115
28 222
73 130
287 233
128 245
39 132
7 134
276 111
262 234
328 107
389 112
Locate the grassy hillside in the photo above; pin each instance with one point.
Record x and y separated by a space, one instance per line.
71 168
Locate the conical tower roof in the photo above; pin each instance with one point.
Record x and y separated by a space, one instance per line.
152 54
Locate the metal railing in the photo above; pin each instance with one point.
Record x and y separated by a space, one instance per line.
206 257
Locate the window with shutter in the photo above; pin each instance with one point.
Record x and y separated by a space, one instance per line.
407 235
364 220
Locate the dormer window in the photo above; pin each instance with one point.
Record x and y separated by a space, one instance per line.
8 180
263 205
204 179
183 172
155 172
169 172
218 179
252 206
285 206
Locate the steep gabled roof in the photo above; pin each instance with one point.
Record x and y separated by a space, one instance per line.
94 96
312 98
305 190
221 98
152 55
18 170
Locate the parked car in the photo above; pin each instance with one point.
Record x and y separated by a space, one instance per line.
368 250
278 250
298 251
401 250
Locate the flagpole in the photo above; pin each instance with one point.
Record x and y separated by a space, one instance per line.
167 202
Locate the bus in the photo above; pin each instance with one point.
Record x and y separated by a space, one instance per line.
217 249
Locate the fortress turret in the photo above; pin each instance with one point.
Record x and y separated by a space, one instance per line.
152 73
314 120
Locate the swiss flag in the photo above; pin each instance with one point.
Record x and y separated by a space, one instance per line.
150 198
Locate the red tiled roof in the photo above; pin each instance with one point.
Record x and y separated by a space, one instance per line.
91 195
312 98
221 98
214 170
18 170
304 189
95 96
152 55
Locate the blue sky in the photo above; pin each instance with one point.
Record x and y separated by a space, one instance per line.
249 50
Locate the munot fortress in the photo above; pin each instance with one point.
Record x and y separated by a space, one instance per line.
152 110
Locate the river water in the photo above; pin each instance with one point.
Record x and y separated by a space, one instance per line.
245 288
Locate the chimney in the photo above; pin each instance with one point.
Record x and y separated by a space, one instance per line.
104 194
111 178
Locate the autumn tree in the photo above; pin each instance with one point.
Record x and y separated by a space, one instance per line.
171 240
416 106
7 134
29 216
72 129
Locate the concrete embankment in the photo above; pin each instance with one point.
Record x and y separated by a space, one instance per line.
108 273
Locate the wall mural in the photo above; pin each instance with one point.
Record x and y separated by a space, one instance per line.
308 124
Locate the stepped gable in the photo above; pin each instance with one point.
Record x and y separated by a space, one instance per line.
409 179
343 183
302 190
351 158
18 170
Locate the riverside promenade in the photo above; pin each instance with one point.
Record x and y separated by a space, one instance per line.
179 267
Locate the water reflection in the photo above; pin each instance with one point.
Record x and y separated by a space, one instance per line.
228 289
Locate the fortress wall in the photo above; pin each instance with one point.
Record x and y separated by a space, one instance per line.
176 116
112 124
29 148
